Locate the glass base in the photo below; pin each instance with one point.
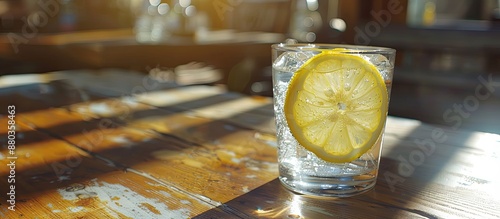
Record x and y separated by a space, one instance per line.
329 186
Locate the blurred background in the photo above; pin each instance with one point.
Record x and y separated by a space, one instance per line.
448 51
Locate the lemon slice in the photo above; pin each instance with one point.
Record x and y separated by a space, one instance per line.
336 105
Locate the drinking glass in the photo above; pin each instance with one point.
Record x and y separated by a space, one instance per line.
301 170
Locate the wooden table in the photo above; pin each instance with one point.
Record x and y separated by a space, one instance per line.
118 144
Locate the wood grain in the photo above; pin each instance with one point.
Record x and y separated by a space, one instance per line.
455 181
203 152
54 179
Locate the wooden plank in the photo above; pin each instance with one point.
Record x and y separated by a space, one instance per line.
54 180
94 191
436 165
447 184
416 130
193 150
244 111
202 101
35 161
45 118
32 92
211 102
211 158
201 152
26 153
118 108
417 196
273 201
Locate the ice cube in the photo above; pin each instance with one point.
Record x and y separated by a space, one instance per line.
382 63
291 61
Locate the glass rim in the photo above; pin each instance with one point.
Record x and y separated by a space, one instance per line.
326 46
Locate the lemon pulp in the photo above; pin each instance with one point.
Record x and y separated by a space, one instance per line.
336 105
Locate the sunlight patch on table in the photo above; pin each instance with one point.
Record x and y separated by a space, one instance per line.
175 96
26 79
231 108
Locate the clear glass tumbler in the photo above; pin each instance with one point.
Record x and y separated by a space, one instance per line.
301 170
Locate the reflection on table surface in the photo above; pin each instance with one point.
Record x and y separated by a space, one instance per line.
121 144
